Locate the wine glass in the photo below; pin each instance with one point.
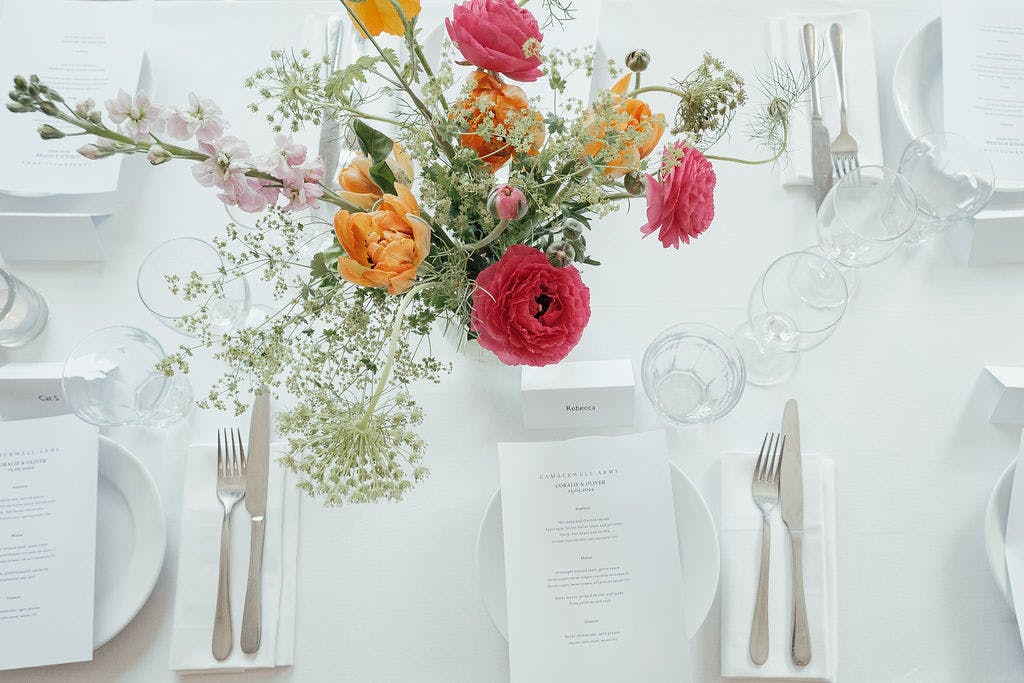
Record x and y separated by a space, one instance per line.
693 373
228 307
795 305
23 311
866 216
111 379
953 179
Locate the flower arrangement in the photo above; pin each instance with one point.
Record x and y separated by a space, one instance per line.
466 208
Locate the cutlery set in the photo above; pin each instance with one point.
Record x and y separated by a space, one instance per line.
840 157
778 479
242 477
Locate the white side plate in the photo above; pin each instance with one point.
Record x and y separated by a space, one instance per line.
698 551
995 531
131 537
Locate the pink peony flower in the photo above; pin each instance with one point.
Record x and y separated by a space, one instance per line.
139 116
681 205
527 311
493 35
202 118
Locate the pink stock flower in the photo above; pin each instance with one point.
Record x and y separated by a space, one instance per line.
527 311
226 169
139 116
302 186
681 205
202 118
497 35
286 154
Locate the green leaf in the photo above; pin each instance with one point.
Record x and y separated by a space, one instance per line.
382 174
374 144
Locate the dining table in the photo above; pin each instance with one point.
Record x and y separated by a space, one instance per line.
897 396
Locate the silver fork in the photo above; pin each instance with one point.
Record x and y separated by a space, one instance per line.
230 490
844 147
765 490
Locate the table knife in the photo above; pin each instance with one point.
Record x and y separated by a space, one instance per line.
821 149
256 475
792 493
330 145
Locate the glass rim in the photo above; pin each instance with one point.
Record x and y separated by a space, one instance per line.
142 266
897 177
165 383
960 215
12 284
828 262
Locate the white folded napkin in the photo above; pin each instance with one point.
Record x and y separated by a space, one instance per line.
741 561
787 46
199 567
1015 540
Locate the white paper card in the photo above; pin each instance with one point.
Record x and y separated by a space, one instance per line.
983 73
580 394
87 49
30 390
48 470
592 567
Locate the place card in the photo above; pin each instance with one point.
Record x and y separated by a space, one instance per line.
29 390
582 394
592 569
48 478
1004 387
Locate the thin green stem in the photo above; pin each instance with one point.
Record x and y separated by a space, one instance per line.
491 236
351 110
748 162
654 88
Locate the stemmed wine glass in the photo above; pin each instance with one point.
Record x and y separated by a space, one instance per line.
953 179
795 305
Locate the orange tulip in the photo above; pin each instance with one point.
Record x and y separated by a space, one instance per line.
383 248
358 187
633 119
380 16
499 104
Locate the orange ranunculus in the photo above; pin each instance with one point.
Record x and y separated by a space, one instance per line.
383 248
499 104
358 187
380 16
634 119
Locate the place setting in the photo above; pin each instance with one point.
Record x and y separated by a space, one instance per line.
414 199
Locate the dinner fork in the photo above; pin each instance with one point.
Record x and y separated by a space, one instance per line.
844 147
230 490
765 490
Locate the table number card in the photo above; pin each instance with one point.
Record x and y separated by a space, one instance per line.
592 566
48 470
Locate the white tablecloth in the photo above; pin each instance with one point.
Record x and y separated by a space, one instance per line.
389 592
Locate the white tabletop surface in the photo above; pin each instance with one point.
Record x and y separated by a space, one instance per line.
389 592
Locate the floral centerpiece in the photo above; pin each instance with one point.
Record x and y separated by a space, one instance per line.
466 208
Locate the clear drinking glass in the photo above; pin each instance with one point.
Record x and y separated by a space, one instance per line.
693 373
953 179
111 379
866 216
795 306
23 311
181 258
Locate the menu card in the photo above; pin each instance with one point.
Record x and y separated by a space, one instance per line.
48 470
592 567
84 50
983 79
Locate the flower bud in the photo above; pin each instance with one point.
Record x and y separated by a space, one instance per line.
91 151
83 108
572 229
507 203
638 60
158 155
19 108
48 132
48 108
20 83
561 254
635 183
96 116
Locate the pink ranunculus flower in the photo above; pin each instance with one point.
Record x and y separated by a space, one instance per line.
138 116
493 35
527 311
202 118
681 200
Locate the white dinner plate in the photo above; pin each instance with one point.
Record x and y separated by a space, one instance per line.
917 88
131 536
995 531
698 551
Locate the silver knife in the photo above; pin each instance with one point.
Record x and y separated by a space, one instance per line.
256 474
792 492
821 150
330 147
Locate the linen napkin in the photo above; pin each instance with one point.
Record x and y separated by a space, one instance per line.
199 567
741 560
1015 540
787 47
